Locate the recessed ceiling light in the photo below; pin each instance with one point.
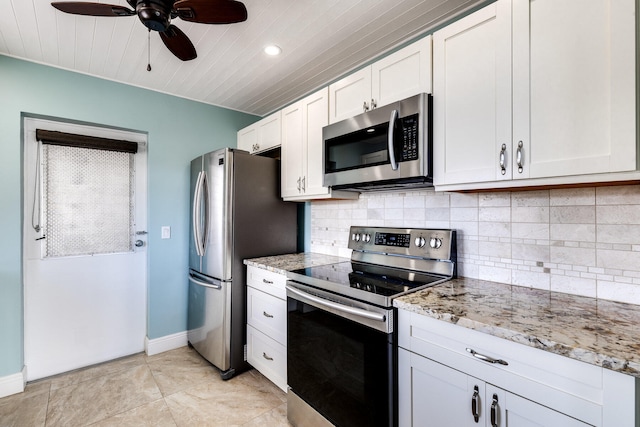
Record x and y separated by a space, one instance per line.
272 50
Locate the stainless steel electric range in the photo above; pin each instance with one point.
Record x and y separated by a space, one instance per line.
341 334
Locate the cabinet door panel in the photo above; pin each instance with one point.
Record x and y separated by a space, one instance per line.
574 86
349 94
520 412
472 97
292 160
402 74
247 138
316 113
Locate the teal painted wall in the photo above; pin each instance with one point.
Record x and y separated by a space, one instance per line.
178 130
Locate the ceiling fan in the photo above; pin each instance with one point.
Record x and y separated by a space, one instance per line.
156 15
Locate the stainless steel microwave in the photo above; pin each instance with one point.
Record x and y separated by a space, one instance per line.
385 148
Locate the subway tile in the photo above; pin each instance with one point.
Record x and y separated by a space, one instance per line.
439 200
573 256
530 230
530 214
437 214
436 224
496 214
494 199
572 215
572 197
620 214
531 279
468 228
573 285
494 249
493 274
573 232
463 200
530 252
464 214
413 202
494 229
615 291
618 195
623 260
530 198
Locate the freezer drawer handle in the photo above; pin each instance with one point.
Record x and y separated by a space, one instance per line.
268 282
351 310
266 357
265 314
206 285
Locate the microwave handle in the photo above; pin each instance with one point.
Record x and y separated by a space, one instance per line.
392 154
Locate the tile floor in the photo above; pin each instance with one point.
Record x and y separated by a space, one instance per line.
176 388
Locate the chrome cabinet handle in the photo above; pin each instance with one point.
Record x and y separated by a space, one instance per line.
373 104
519 156
299 178
268 282
494 411
484 358
265 314
266 357
304 185
365 107
475 404
392 154
503 155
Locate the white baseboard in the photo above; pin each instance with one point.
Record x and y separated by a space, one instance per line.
12 384
166 343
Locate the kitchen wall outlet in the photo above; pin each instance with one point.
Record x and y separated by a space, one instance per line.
166 232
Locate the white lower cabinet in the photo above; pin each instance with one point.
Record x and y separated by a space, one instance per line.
441 383
267 324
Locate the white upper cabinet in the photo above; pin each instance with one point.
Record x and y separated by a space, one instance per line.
262 135
301 153
536 93
400 75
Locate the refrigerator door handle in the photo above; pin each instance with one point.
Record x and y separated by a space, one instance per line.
213 285
197 194
204 196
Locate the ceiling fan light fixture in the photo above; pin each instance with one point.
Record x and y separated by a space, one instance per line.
272 50
155 15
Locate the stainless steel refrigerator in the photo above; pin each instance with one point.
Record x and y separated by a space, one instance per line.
237 213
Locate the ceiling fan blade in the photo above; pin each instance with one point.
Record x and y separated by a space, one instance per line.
178 43
92 9
211 11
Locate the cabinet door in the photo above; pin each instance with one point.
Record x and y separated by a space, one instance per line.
316 115
291 155
472 97
269 132
504 409
574 79
434 395
247 138
349 95
402 74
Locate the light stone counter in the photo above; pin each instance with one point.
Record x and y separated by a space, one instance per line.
282 263
595 331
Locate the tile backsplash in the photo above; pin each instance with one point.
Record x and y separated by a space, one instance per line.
583 241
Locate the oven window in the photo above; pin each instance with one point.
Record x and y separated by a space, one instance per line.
344 370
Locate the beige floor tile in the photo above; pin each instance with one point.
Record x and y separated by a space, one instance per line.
275 418
96 371
181 369
222 403
154 414
94 400
28 409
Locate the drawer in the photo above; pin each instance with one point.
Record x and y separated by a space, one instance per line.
267 314
267 356
267 281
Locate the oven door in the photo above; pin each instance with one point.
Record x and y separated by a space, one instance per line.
341 357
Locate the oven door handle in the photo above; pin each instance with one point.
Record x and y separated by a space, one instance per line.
330 304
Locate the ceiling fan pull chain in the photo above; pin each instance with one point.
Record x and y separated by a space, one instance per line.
149 50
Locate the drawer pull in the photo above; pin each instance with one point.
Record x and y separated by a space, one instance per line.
268 282
265 314
475 404
266 357
486 358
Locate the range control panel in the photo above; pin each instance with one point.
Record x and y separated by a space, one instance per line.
412 242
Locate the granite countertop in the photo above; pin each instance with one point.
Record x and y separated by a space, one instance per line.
282 263
599 332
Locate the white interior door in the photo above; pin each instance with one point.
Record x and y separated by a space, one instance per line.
84 283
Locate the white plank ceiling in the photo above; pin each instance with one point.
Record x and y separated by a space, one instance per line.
321 40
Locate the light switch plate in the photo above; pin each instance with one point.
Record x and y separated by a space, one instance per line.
166 232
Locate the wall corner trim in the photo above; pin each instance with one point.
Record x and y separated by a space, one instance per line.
13 384
166 343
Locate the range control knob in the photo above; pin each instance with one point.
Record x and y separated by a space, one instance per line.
366 238
420 242
435 243
355 237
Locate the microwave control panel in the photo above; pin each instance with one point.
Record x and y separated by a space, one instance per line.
409 128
